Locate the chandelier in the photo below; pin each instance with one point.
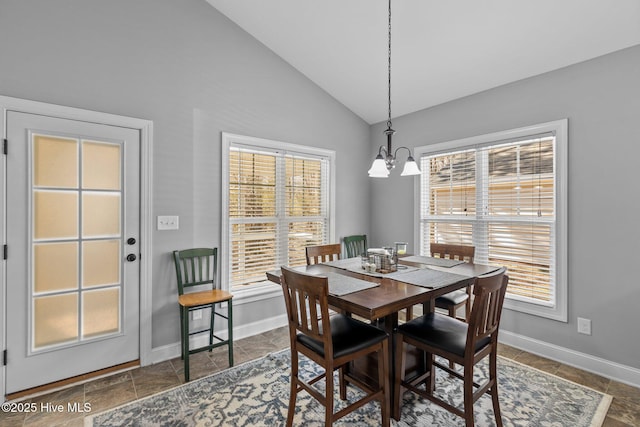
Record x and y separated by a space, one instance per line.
383 164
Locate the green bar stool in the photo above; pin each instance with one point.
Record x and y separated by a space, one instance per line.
197 268
355 245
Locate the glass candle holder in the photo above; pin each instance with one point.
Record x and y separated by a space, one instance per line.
401 248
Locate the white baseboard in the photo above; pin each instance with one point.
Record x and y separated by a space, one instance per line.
615 371
171 351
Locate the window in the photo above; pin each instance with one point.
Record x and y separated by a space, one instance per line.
277 200
505 194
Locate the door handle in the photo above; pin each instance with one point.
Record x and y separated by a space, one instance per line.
131 257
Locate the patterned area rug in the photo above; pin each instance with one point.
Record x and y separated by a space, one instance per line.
256 394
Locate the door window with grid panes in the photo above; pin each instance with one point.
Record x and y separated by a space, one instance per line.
277 202
505 194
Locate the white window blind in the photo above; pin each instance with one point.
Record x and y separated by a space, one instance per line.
500 196
278 203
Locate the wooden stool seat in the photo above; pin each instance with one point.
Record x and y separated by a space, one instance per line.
197 299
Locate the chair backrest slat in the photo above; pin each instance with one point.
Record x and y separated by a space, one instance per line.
322 253
196 267
460 252
489 291
355 245
307 305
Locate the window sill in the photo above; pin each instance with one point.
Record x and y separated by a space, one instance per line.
258 292
558 313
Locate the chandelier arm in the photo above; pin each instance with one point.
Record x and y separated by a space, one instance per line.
395 153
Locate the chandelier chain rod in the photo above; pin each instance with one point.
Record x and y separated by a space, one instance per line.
389 68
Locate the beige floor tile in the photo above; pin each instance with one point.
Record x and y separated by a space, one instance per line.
107 381
157 369
612 422
538 362
146 385
625 392
75 422
55 420
12 419
111 396
57 407
508 351
585 378
624 411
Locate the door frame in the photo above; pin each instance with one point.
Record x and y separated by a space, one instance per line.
145 127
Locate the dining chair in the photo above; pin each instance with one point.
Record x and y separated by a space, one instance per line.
460 342
322 253
332 342
197 269
355 245
456 299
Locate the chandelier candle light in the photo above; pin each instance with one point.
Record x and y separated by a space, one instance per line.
383 164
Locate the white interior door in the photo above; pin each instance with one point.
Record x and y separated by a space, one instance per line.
73 220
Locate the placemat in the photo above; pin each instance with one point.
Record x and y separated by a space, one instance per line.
427 260
355 265
430 278
339 284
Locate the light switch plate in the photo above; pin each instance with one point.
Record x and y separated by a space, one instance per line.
168 222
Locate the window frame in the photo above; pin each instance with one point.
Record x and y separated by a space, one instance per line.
558 310
265 289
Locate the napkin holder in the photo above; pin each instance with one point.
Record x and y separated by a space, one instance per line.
384 260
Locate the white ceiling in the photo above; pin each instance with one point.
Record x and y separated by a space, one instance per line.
441 49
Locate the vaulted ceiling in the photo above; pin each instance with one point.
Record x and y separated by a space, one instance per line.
441 50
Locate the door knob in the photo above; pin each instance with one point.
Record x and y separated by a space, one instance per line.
131 257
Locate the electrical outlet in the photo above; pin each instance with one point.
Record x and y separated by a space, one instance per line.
196 315
584 326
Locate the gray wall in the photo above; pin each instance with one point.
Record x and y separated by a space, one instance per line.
601 99
195 74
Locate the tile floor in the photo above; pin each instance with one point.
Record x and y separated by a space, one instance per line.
120 388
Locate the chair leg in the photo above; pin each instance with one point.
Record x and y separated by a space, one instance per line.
468 397
294 387
452 313
230 327
212 326
467 310
342 383
430 382
185 341
328 397
383 380
493 376
399 376
181 333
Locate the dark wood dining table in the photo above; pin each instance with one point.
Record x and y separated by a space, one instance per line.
392 293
